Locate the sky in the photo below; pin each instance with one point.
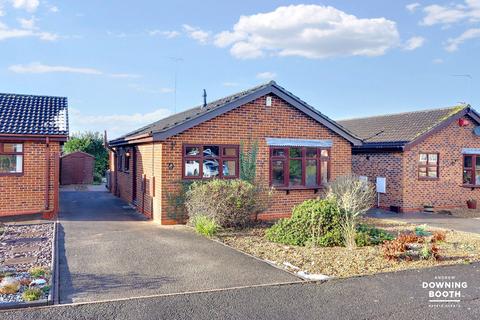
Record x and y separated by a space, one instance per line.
119 62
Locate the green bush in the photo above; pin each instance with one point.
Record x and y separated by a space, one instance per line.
37 272
32 294
313 222
205 226
371 236
230 203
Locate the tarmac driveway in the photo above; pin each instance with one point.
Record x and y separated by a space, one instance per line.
106 251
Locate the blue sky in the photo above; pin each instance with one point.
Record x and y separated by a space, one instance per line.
116 60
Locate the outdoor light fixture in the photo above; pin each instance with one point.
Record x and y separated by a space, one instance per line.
127 154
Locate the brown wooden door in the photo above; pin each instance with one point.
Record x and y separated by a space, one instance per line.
79 172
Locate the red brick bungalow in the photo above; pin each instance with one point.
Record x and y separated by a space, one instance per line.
429 158
32 130
202 143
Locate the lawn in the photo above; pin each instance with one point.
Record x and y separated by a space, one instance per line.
458 247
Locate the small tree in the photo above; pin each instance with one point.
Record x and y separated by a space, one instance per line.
354 197
248 162
91 143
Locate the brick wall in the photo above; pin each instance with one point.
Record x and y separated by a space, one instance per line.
388 165
447 191
25 194
405 189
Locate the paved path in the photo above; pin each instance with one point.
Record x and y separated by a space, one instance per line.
433 219
386 296
107 251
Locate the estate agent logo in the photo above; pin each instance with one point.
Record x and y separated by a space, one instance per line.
444 291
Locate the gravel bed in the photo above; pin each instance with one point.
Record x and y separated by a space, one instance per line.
459 247
32 244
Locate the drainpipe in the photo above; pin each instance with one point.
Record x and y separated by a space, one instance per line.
47 174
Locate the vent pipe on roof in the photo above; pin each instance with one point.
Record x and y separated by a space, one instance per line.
204 98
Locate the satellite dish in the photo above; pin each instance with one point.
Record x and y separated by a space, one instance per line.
476 131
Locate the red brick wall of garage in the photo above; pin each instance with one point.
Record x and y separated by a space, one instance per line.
25 194
252 121
447 191
148 178
388 165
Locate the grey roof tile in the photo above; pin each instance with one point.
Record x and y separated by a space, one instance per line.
33 115
398 128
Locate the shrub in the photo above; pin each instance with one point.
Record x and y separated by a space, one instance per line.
9 286
409 238
230 203
32 294
205 225
421 231
37 272
429 252
354 197
315 222
370 235
248 161
439 236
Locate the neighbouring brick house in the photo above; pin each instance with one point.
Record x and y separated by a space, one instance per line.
300 149
32 130
429 158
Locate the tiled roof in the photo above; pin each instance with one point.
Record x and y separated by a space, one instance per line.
33 115
188 118
183 116
398 128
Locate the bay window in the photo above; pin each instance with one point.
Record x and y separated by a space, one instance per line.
11 158
299 167
210 161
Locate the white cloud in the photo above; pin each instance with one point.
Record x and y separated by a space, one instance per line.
27 23
43 68
310 31
115 124
11 33
437 61
267 75
414 43
439 14
40 68
53 9
28 5
412 7
169 34
453 43
197 34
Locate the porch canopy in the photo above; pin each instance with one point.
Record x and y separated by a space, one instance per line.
282 142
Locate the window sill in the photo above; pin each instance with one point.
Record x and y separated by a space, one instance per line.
288 189
18 174
470 186
428 179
